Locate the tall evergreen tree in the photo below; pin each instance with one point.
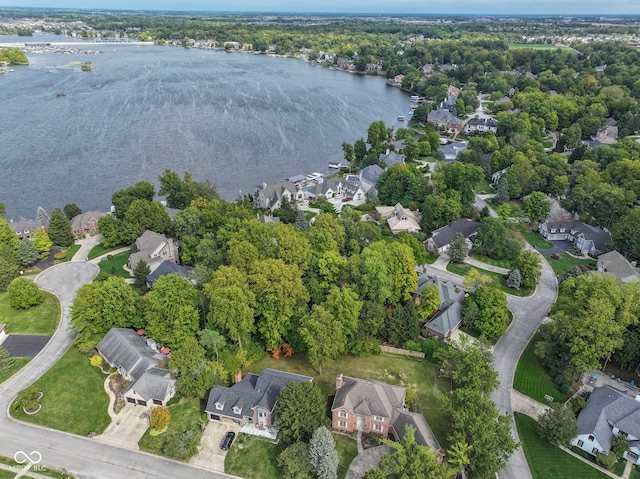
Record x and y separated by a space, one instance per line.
323 454
27 253
458 248
140 272
59 229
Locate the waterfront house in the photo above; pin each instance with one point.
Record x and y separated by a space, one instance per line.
588 239
337 188
153 248
480 125
369 177
26 227
441 238
86 223
391 158
444 119
269 197
399 218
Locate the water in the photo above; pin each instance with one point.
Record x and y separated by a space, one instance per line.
236 120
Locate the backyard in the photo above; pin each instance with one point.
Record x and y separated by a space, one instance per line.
73 398
41 319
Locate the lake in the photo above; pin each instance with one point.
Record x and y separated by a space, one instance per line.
237 120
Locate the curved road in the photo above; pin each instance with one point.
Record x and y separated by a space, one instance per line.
80 456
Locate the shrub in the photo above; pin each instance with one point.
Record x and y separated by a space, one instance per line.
607 461
558 380
24 293
96 360
564 388
160 417
555 256
109 257
7 362
553 373
181 444
576 404
411 399
60 255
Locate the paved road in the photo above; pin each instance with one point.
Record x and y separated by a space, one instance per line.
83 457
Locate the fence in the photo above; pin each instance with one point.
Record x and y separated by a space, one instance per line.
404 352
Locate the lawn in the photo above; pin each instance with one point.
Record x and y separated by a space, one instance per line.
99 250
484 188
566 262
547 461
185 414
4 474
41 319
70 253
347 451
431 258
116 265
634 473
420 375
20 363
73 398
536 240
42 471
499 281
502 263
538 46
532 379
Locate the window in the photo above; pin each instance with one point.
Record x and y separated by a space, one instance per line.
580 443
377 427
591 438
595 451
561 230
343 414
342 424
237 410
219 406
378 418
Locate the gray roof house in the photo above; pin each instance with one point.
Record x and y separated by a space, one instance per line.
440 238
337 188
480 125
250 401
153 248
269 197
449 315
609 412
137 359
369 177
451 151
165 268
445 119
588 239
86 223
26 227
618 266
390 158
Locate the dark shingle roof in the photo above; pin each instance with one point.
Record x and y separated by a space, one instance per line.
153 384
165 268
444 235
124 349
423 433
368 397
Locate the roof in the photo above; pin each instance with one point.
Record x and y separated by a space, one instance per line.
452 150
577 228
403 220
370 174
148 245
618 266
443 236
296 178
446 320
253 391
368 397
488 122
165 268
126 350
423 433
86 220
273 193
443 115
348 188
26 226
153 384
390 158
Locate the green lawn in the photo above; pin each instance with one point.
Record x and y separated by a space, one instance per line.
431 258
484 188
420 375
185 414
566 262
547 461
537 46
499 281
536 240
73 398
347 451
71 251
99 250
4 474
115 266
20 363
634 473
49 472
532 379
502 263
41 319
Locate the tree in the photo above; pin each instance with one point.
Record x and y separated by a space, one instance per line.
7 362
300 410
160 417
349 152
529 265
195 377
122 199
458 248
179 192
620 445
59 229
8 268
323 335
514 280
148 215
140 272
475 280
401 323
536 206
8 238
558 426
41 240
459 457
24 293
295 461
323 454
491 238
212 341
359 149
71 210
401 268
27 253
493 316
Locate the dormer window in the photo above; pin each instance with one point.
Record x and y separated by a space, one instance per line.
219 406
237 410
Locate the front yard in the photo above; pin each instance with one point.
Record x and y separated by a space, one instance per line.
20 363
566 262
499 281
41 319
73 398
116 265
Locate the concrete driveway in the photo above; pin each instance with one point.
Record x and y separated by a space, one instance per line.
25 345
558 247
127 427
210 456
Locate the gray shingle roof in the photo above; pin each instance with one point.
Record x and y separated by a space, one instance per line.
165 268
371 173
391 158
153 384
348 188
423 433
444 235
618 266
86 220
124 349
368 397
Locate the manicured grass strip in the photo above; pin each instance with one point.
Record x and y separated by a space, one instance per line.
499 281
431 258
20 363
99 250
115 266
537 241
70 253
566 262
258 459
532 379
502 263
419 375
347 451
45 471
547 461
41 319
73 398
186 414
634 473
4 474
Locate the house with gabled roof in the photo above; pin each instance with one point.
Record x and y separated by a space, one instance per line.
391 158
449 315
587 238
619 267
609 413
445 119
337 188
269 197
399 218
480 125
252 400
138 360
369 177
441 238
165 268
26 227
153 248
86 223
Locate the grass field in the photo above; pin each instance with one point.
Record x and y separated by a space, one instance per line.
566 262
484 188
532 379
115 266
547 461
419 375
20 363
70 253
502 263
431 258
73 398
99 250
535 240
41 319
538 46
499 281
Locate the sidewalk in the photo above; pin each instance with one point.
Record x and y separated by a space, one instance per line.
595 466
526 405
488 267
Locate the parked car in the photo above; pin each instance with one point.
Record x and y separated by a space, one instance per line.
228 440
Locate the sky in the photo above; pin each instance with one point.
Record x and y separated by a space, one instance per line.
489 7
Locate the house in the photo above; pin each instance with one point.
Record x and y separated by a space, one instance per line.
440 238
264 219
480 125
337 188
608 413
369 177
588 239
451 151
252 399
619 267
446 120
391 158
86 223
25 227
427 69
139 362
454 91
607 134
269 197
165 268
372 406
449 315
153 248
400 218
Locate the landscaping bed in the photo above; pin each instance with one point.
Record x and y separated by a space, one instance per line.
41 319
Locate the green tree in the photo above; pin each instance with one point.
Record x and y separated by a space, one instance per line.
474 280
27 253
117 304
401 268
140 272
295 461
493 315
359 149
300 410
502 191
349 153
7 362
122 199
458 248
459 457
148 215
503 211
323 336
71 210
41 240
558 426
24 293
179 192
59 229
323 454
212 341
536 206
86 319
529 265
8 237
345 306
620 444
514 280
491 238
469 366
195 377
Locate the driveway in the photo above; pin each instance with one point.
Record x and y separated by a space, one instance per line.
25 345
367 460
126 428
558 247
210 456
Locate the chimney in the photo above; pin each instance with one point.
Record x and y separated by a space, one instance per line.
238 376
339 381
